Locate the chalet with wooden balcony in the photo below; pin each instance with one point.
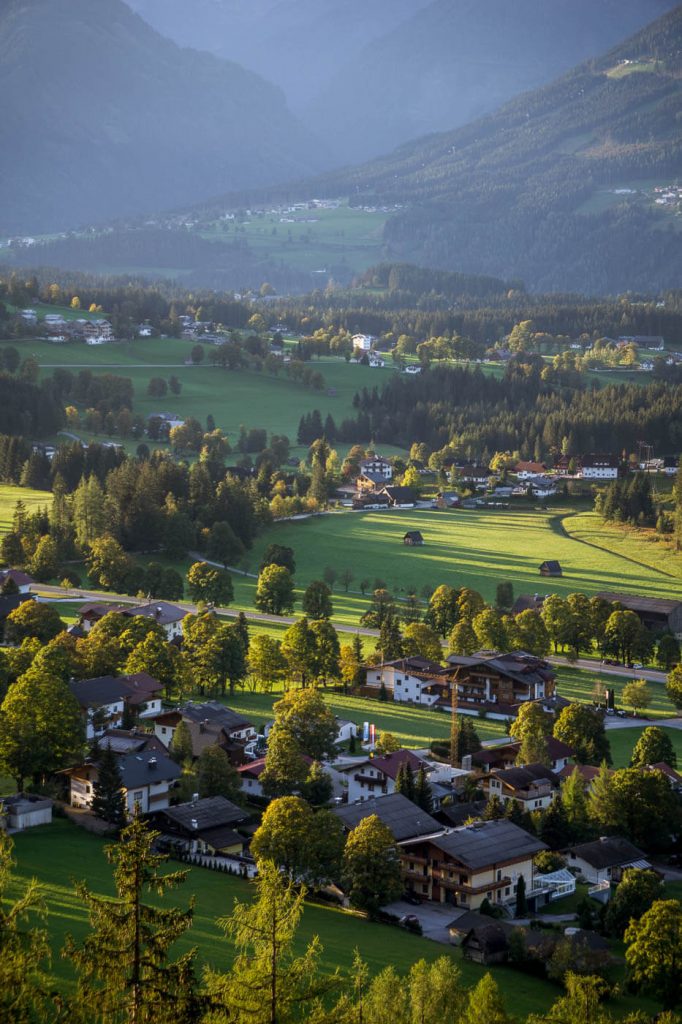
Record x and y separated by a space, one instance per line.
533 786
499 683
377 775
464 866
505 756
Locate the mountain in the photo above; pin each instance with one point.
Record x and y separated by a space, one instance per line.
557 187
455 60
103 117
298 44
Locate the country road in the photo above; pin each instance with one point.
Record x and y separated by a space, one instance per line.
77 593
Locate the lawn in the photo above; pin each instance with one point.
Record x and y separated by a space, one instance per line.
59 853
642 549
475 548
312 240
579 685
622 742
412 726
233 398
10 495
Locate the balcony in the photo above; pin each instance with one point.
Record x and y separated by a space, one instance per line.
472 890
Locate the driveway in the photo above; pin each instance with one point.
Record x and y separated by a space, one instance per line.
615 722
433 917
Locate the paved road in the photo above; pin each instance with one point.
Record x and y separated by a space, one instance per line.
614 722
77 593
598 668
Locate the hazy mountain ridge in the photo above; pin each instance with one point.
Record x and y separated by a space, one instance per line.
524 192
298 44
104 117
455 60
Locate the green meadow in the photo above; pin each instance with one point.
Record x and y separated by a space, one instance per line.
622 742
10 495
311 240
232 397
61 853
475 548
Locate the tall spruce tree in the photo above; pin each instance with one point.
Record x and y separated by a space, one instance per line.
108 802
124 972
423 796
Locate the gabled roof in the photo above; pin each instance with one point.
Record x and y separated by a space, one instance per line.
8 602
390 764
641 604
146 768
399 494
609 851
517 665
211 812
161 611
505 751
130 741
21 579
413 535
529 775
94 693
215 713
404 818
551 565
487 843
143 687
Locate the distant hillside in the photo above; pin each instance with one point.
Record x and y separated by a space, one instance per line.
455 60
103 117
557 187
298 44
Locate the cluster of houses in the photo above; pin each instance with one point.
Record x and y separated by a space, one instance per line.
56 328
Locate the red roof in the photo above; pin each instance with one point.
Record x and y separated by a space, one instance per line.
390 764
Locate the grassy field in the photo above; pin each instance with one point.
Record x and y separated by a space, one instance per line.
413 726
312 240
640 548
475 548
10 495
579 685
233 398
60 853
622 742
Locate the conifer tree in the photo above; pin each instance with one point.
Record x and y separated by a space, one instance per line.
24 948
268 984
422 791
181 744
108 802
125 975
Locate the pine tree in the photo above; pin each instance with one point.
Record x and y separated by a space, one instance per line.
574 801
124 973
521 905
108 802
422 791
24 948
181 749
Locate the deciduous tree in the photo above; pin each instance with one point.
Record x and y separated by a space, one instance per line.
371 865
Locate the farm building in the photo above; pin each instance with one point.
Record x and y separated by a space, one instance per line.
657 614
413 538
551 568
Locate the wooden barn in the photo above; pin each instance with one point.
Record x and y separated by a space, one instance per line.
413 538
551 568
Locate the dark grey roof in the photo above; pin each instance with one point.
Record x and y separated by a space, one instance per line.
215 713
212 812
404 818
221 837
641 604
523 777
487 843
161 611
609 851
8 602
472 919
517 665
146 767
457 814
93 693
398 493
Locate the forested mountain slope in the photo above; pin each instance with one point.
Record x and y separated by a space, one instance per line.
102 117
557 187
455 60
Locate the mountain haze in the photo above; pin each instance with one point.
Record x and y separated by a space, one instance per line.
455 60
103 117
555 187
298 44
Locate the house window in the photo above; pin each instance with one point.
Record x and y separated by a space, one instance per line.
499 875
425 887
164 730
506 891
137 797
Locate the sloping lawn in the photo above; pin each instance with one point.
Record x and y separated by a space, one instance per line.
59 853
622 742
10 495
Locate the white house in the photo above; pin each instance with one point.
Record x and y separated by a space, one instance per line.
377 466
604 859
345 729
411 680
26 810
22 580
363 342
103 700
147 777
600 467
533 786
376 775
